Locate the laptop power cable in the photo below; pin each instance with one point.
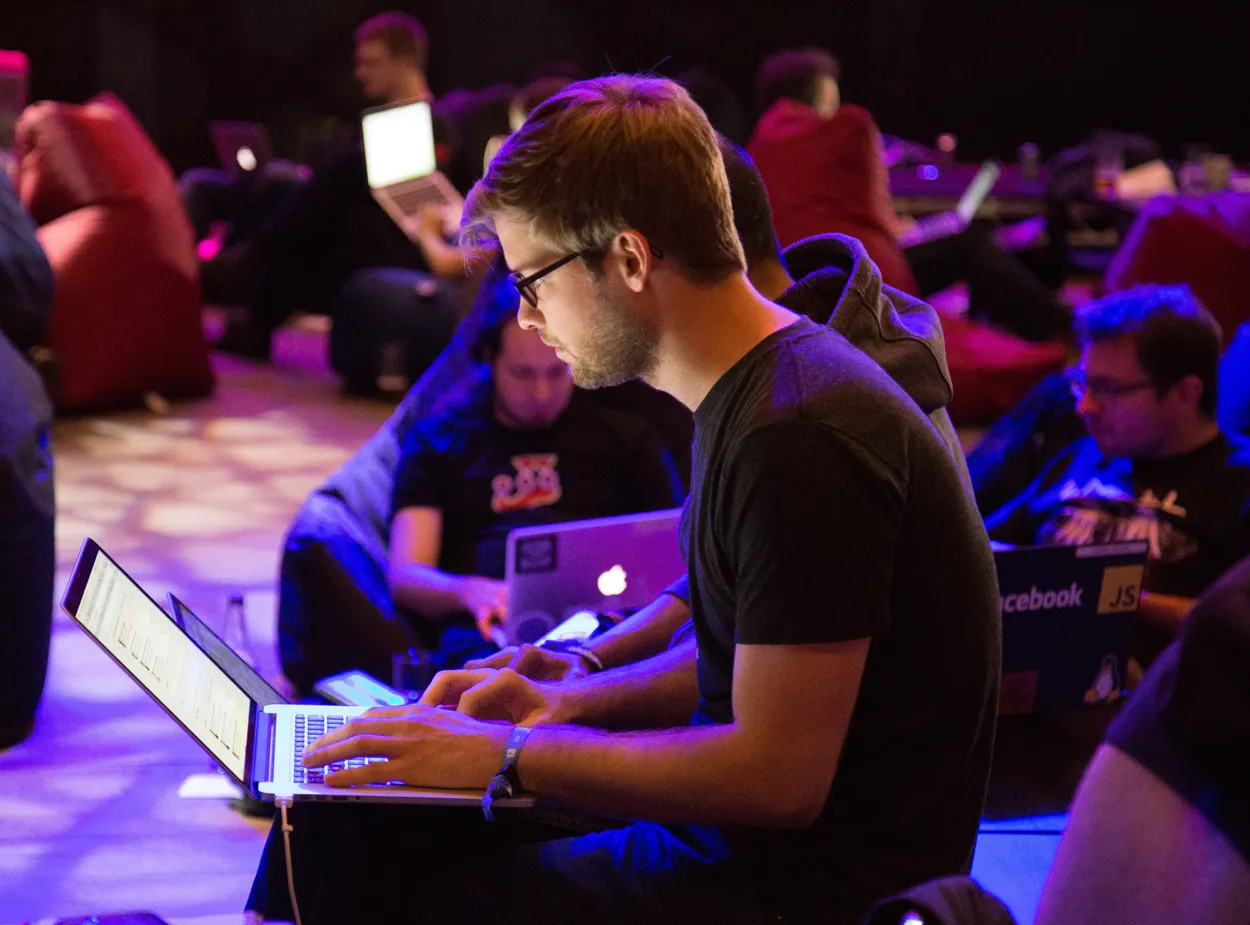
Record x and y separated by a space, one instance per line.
283 804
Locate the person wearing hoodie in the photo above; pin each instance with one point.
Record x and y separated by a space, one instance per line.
830 279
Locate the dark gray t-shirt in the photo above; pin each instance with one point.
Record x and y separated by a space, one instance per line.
825 508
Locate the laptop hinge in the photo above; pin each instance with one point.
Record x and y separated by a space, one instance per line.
262 765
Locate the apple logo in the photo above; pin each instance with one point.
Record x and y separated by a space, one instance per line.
612 582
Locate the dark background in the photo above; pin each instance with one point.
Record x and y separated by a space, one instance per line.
994 72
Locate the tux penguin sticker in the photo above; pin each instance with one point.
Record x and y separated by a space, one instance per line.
1106 687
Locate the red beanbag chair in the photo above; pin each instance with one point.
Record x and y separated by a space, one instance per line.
991 371
1204 243
126 319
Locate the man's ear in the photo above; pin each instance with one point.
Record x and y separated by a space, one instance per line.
635 258
1189 391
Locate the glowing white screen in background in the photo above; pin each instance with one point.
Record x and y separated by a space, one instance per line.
399 144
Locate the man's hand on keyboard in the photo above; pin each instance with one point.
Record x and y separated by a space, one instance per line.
424 747
501 696
535 663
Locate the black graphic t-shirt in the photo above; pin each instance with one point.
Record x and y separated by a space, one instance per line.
1193 509
487 480
824 508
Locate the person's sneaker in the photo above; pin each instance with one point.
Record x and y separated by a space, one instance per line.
246 339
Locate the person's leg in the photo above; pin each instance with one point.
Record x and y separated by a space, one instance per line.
270 188
390 321
1000 288
209 195
380 863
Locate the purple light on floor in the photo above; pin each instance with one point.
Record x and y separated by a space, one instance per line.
928 172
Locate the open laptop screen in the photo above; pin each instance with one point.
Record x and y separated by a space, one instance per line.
157 654
399 143
977 191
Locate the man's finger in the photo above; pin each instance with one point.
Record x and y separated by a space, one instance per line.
501 659
533 662
448 686
495 697
358 746
379 772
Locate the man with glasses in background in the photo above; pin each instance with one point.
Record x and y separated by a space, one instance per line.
1154 464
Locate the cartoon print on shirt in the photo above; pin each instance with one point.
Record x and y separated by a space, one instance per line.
536 484
1097 512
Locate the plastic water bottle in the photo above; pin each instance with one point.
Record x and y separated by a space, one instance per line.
234 632
1029 158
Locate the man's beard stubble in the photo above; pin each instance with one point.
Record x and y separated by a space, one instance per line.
625 347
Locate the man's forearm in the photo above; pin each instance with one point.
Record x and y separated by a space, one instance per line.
704 774
643 635
425 590
1165 610
659 692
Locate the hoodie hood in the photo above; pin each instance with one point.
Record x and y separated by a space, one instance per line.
903 334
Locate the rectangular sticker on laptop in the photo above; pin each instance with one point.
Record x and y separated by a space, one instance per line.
536 554
1121 589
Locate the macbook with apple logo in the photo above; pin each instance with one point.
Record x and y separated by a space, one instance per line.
610 563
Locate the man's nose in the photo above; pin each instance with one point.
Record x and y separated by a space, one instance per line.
527 316
542 389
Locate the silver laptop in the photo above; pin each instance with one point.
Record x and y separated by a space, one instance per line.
946 224
259 745
612 563
400 160
241 146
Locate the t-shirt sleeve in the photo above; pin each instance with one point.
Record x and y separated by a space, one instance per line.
680 589
812 528
419 478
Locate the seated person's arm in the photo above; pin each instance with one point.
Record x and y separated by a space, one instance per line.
426 231
1165 610
648 632
417 584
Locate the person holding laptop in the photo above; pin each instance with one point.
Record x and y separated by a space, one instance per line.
821 160
332 226
832 745
1153 464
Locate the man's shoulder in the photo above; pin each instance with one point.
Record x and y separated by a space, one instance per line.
817 381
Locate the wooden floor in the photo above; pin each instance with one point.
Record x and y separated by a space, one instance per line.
197 501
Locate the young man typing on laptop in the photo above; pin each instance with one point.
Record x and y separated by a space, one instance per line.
842 587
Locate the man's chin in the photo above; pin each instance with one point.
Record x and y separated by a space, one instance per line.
585 378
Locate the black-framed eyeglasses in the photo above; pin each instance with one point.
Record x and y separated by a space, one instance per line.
525 285
1079 386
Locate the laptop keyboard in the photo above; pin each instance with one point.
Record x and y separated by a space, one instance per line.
309 728
410 199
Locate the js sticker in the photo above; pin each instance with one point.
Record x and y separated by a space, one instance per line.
1121 588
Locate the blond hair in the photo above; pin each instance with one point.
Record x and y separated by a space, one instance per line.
608 154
